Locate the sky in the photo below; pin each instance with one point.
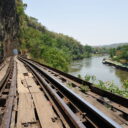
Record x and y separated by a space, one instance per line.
92 22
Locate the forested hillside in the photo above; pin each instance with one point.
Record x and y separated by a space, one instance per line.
53 49
114 45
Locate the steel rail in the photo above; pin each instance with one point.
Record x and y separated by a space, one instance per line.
9 103
3 81
75 121
93 113
113 97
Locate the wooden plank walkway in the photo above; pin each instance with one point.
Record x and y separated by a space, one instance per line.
43 106
34 110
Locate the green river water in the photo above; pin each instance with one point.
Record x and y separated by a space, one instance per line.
94 66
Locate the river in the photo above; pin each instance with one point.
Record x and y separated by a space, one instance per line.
94 66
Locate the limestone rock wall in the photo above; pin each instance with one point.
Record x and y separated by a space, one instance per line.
8 26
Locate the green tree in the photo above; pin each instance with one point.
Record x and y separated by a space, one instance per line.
112 52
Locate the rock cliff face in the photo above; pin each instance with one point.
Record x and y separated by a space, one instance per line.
8 26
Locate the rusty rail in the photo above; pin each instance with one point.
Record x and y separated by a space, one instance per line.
11 80
91 116
113 97
6 77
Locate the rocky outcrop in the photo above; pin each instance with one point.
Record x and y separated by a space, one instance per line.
8 26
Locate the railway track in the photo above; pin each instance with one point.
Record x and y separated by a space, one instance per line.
7 95
65 77
116 102
71 108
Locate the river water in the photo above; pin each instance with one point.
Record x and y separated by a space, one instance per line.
94 66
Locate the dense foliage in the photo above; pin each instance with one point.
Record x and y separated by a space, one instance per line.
120 54
54 49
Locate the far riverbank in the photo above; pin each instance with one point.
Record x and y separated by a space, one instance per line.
116 64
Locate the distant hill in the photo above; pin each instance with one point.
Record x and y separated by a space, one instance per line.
115 45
